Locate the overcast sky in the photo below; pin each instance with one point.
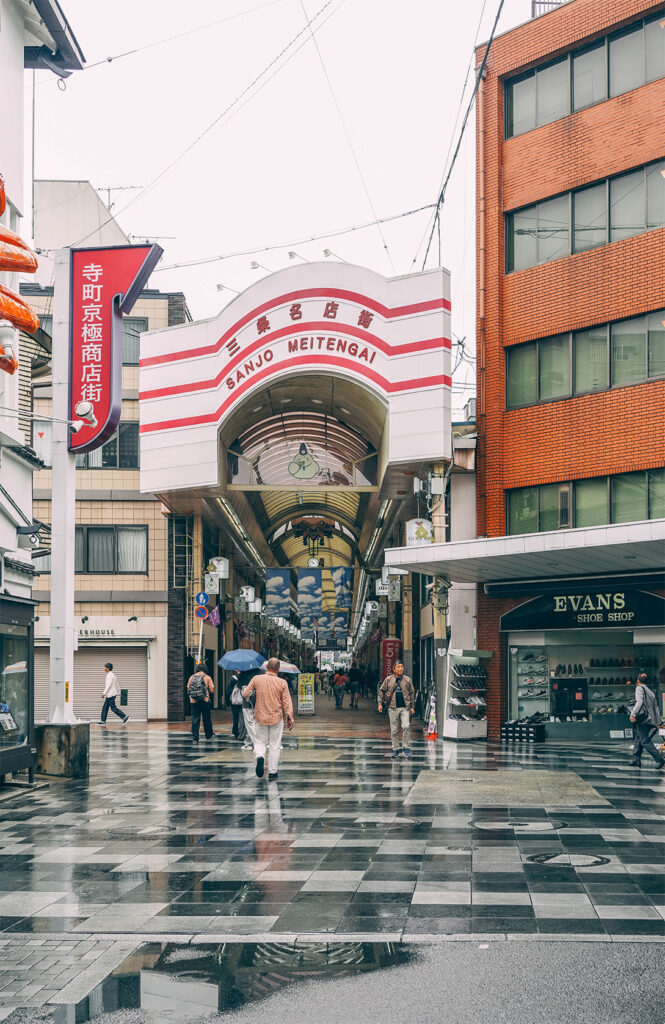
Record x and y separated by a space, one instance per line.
279 166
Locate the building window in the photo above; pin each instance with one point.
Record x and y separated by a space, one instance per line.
625 60
46 323
590 217
540 233
623 498
589 76
111 549
522 375
590 362
119 452
656 343
132 326
554 368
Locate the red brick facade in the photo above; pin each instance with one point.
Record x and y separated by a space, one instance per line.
607 432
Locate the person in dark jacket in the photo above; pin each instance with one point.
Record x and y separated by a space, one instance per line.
234 698
645 699
398 695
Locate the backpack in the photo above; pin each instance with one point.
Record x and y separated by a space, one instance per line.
198 690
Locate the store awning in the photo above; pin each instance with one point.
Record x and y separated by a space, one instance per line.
596 550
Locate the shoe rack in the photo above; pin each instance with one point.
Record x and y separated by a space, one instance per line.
466 695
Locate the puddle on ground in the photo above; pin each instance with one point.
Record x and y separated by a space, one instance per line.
167 982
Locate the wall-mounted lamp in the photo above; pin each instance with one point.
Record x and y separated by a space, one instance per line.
132 618
84 619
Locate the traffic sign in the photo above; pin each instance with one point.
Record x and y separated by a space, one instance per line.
201 612
202 598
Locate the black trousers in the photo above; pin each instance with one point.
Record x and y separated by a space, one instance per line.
238 729
201 711
109 705
642 742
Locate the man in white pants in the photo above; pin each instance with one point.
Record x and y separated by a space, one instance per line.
273 700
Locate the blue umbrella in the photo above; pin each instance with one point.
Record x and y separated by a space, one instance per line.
241 660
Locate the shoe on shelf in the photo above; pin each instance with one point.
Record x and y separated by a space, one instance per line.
259 767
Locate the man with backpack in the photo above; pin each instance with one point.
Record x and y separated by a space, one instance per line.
200 688
645 716
398 695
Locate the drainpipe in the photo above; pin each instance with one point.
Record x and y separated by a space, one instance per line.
480 358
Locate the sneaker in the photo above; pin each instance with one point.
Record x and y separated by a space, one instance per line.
259 767
406 751
125 720
638 764
396 753
247 746
195 740
272 776
100 722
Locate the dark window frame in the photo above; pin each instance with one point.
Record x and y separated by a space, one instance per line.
126 322
569 57
116 438
571 486
115 571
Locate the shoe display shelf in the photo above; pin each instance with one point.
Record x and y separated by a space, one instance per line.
533 684
514 732
466 682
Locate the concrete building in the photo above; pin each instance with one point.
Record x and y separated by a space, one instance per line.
571 367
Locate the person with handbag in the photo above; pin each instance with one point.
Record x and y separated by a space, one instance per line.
398 695
645 716
234 697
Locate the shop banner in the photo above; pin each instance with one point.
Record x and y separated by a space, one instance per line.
309 600
588 610
342 577
306 693
105 284
278 593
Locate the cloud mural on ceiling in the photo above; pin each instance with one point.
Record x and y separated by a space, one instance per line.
278 592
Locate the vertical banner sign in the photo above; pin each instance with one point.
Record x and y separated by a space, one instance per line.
342 577
278 593
105 284
391 651
306 693
309 600
324 637
340 629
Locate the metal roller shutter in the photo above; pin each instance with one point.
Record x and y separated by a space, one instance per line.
129 664
42 680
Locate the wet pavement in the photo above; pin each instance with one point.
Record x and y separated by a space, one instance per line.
167 843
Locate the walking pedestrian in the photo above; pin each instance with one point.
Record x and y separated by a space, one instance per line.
397 694
200 688
355 679
273 700
111 691
339 687
645 716
250 721
234 698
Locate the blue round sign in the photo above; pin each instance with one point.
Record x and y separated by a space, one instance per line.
202 598
201 612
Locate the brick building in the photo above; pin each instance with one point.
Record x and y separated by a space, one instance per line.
571 364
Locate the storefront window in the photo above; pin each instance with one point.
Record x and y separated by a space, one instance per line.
629 497
523 510
591 502
14 692
554 368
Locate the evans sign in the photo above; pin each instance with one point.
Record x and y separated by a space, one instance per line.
595 609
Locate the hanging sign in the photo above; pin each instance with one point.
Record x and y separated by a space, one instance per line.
211 583
382 589
104 284
419 531
394 590
306 693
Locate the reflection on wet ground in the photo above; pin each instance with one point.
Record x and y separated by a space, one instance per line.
170 982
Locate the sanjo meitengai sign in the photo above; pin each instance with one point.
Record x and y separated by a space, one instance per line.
390 337
598 609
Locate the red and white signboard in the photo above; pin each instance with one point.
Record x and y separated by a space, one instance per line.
391 651
105 283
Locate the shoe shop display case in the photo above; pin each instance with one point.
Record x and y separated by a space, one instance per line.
580 691
466 695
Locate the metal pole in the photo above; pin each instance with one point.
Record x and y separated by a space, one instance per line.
200 640
61 708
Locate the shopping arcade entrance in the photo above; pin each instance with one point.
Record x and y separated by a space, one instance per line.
291 427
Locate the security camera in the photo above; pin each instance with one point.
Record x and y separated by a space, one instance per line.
76 425
87 413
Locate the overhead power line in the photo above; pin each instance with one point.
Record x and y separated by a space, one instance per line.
479 75
243 95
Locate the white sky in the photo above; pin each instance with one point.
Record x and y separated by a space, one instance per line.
279 166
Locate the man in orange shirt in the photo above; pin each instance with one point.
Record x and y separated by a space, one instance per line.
272 699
